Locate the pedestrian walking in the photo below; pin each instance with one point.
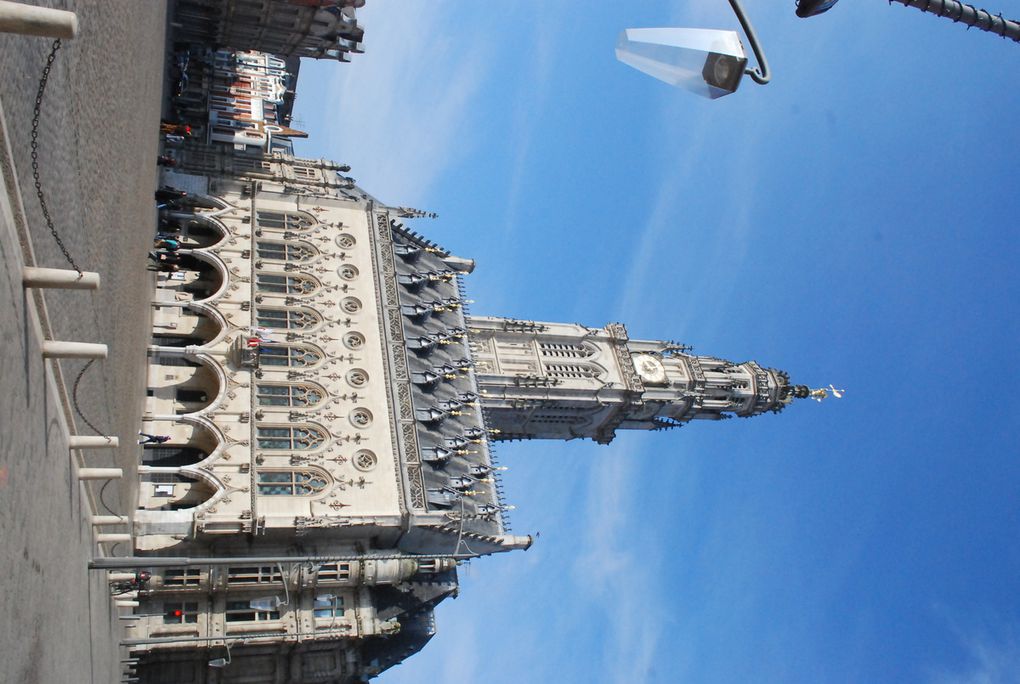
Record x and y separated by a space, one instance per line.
146 438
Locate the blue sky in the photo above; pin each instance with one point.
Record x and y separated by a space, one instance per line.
853 222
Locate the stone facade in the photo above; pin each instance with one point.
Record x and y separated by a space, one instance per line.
321 29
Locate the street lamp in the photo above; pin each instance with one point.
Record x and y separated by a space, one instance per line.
707 62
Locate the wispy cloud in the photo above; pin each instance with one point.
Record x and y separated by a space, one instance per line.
992 656
531 101
618 573
401 109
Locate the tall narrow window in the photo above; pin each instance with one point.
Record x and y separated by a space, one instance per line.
303 482
260 574
180 613
333 572
283 251
329 606
288 395
285 220
284 319
580 370
284 284
287 355
576 351
241 611
289 437
181 577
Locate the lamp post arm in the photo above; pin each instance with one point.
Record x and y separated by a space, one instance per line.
761 74
969 15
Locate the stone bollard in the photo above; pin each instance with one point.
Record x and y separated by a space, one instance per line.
120 576
52 349
100 474
37 21
109 520
114 537
92 442
61 278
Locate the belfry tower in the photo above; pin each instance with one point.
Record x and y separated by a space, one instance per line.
566 381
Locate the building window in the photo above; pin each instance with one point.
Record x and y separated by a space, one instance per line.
285 220
329 606
180 613
288 395
182 577
284 251
576 351
572 371
333 572
283 355
306 173
263 574
289 437
284 319
241 611
284 284
291 482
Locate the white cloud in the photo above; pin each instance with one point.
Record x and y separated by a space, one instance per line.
401 108
993 657
617 572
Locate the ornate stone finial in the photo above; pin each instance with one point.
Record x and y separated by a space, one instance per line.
410 212
822 393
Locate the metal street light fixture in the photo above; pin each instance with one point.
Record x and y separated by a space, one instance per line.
707 62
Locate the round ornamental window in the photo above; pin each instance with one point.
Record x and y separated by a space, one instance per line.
345 240
364 460
348 272
361 417
350 304
356 377
354 340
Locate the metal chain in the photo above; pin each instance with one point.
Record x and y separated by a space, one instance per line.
36 113
74 399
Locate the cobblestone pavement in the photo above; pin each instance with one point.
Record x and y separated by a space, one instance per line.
98 146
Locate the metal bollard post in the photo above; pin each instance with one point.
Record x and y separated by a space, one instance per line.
52 349
37 21
92 442
59 278
100 474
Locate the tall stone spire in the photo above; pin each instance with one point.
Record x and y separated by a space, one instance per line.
566 381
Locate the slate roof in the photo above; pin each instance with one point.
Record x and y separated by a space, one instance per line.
457 462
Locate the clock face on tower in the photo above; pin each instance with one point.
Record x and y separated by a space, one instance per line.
650 369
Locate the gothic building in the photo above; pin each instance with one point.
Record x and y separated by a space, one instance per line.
326 411
321 29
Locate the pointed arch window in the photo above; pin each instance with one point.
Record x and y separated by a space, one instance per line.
288 394
297 437
284 220
292 482
572 370
575 351
288 355
285 284
274 250
287 319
